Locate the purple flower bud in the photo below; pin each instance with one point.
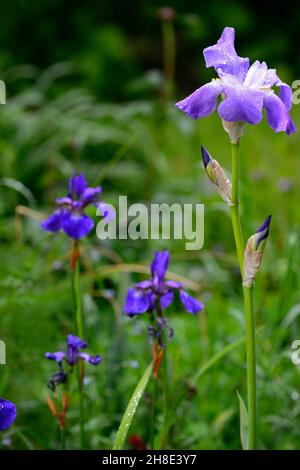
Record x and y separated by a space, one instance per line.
217 176
254 251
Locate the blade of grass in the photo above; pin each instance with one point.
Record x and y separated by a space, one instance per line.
131 409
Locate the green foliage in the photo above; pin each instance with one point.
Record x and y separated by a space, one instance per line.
56 120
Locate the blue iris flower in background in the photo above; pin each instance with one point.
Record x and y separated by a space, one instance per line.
73 353
69 215
158 293
8 413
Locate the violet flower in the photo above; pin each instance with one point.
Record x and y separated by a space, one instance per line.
73 353
146 296
245 90
8 413
69 215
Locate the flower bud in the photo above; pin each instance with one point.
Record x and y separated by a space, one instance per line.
217 176
254 251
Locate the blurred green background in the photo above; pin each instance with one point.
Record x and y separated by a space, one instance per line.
86 90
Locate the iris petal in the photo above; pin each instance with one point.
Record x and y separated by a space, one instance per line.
166 299
203 101
8 413
241 104
77 225
54 221
277 113
160 265
137 302
77 184
223 56
190 304
56 356
95 360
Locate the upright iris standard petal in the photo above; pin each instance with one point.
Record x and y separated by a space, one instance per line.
90 195
223 56
77 225
77 185
160 265
203 101
76 342
8 413
137 301
190 304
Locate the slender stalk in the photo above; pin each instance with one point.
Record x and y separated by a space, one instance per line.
234 209
251 367
165 401
169 57
75 275
153 412
248 301
63 438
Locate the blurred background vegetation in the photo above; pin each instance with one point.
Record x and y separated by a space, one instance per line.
86 90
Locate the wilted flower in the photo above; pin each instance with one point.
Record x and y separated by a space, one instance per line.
245 90
156 292
8 413
73 353
254 251
59 377
158 329
69 215
217 176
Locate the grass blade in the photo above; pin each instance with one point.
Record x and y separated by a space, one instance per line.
131 409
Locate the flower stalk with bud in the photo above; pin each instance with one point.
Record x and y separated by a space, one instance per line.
245 91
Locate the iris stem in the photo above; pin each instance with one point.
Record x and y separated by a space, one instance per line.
63 438
248 301
153 412
165 400
169 51
78 307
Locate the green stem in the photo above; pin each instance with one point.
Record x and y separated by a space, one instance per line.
153 412
63 439
251 367
169 57
77 299
248 301
165 401
234 209
79 331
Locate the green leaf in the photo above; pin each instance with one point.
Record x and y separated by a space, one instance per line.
243 423
131 409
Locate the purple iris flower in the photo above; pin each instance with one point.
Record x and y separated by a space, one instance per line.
69 215
157 293
8 413
73 353
245 89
